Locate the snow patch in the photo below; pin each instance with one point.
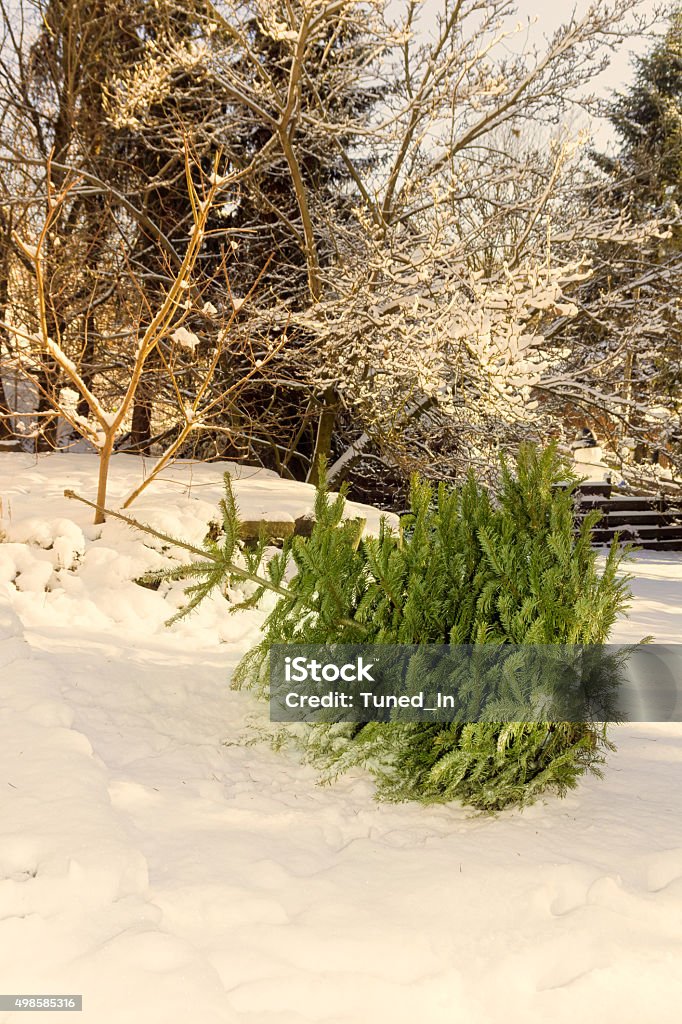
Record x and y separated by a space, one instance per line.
153 862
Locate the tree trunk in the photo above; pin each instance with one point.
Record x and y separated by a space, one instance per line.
6 431
87 363
6 428
104 457
325 432
141 430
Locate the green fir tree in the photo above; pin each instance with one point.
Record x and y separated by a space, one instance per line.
465 567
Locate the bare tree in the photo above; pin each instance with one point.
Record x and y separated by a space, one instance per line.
410 217
164 329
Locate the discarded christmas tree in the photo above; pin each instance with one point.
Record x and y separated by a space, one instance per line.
465 567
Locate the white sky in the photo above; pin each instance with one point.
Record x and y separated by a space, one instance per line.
548 16
619 74
551 15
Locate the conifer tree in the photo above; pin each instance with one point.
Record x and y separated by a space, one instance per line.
629 318
647 119
466 567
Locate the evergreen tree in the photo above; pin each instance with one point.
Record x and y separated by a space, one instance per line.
648 123
202 77
629 319
466 567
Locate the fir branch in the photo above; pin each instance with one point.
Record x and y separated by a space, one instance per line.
228 567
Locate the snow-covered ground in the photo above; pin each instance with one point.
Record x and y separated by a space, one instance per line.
175 876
